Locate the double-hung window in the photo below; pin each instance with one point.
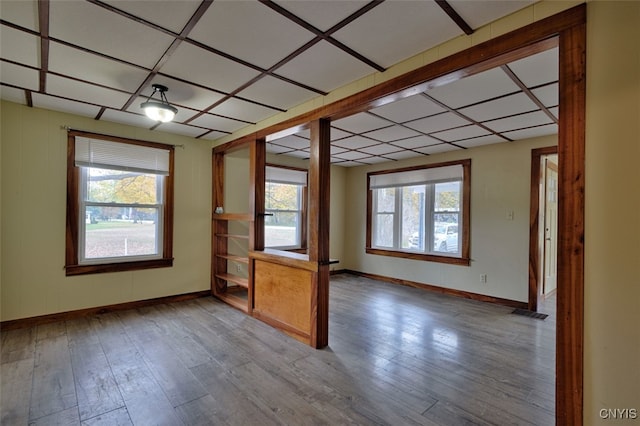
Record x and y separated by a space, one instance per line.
119 204
285 208
420 212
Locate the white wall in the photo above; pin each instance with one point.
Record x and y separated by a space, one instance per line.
34 149
500 183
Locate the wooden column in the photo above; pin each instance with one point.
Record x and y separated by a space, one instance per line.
319 192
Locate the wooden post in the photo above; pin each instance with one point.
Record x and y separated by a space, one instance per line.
319 192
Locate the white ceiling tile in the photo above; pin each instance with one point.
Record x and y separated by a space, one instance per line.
96 69
21 12
14 95
518 122
172 15
214 135
502 107
292 142
65 105
264 38
402 155
475 88
218 123
19 46
411 108
447 120
352 155
95 28
537 69
550 129
68 88
479 13
195 64
461 133
362 122
338 134
17 75
555 111
336 150
289 95
375 160
349 164
393 133
181 129
242 110
383 148
277 149
402 29
416 142
548 95
483 140
322 15
183 94
354 142
324 67
298 154
130 118
436 149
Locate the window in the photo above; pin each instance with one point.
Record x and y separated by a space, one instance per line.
420 212
119 204
285 207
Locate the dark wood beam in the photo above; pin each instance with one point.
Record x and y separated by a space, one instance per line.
43 20
455 16
528 92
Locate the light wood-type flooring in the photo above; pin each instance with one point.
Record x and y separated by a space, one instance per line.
396 356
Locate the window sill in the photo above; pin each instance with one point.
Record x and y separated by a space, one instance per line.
419 256
71 270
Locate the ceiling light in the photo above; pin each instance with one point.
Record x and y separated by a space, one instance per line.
160 110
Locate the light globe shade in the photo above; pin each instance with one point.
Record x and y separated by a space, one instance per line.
159 111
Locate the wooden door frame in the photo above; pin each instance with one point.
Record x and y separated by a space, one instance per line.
567 30
534 224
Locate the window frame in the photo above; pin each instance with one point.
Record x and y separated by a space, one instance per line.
76 217
464 258
304 201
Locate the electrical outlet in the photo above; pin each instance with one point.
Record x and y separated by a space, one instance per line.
483 278
238 268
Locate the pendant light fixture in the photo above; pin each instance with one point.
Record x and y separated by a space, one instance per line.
159 110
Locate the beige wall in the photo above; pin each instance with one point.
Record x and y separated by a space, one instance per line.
500 176
33 147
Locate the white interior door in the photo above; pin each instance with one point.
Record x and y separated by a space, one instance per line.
550 227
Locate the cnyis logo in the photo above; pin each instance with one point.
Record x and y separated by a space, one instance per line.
619 413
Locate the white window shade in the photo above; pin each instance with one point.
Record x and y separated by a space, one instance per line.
416 177
289 176
121 156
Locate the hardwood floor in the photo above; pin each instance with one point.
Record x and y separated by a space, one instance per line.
396 355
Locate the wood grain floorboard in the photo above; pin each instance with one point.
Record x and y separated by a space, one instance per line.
397 356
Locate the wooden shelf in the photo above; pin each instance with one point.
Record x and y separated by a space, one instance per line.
243 217
234 258
239 236
241 281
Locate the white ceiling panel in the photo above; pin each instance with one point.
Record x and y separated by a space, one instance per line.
411 108
169 14
277 149
96 69
322 15
476 88
514 104
195 64
549 129
383 148
389 134
65 105
21 12
214 135
538 69
292 142
502 125
336 150
289 95
555 111
181 129
243 110
352 155
138 120
68 88
324 67
349 163
548 95
362 122
261 28
375 160
338 134
483 140
355 142
403 155
477 14
447 120
416 142
19 46
218 123
402 29
16 75
89 26
436 149
461 133
13 95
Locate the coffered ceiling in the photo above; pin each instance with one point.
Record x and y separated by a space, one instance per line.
230 64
